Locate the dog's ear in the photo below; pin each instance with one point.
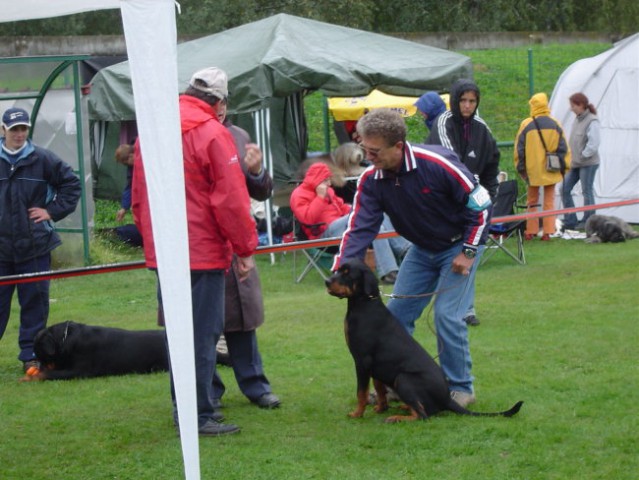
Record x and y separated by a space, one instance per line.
370 283
44 346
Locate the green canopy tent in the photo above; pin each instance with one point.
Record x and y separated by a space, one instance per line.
271 63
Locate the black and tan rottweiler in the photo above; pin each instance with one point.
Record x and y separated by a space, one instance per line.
385 352
75 350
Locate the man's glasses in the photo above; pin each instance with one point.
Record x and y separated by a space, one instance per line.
373 152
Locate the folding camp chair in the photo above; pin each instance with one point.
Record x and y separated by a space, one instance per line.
500 233
318 258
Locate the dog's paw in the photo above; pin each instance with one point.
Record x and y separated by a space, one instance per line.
33 374
381 407
400 418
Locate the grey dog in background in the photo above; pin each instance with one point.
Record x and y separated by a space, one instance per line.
604 228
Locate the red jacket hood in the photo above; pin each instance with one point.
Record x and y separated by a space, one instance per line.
194 112
316 174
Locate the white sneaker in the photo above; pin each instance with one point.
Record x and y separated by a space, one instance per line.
462 398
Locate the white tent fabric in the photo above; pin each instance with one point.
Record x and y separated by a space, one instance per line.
151 38
610 80
33 9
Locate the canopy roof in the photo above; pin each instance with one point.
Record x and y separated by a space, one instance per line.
33 9
283 54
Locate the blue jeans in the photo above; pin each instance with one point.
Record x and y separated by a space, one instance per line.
34 302
207 291
585 175
385 249
424 271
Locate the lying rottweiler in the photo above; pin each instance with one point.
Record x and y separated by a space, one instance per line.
74 350
385 352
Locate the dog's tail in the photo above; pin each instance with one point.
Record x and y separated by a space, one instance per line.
455 407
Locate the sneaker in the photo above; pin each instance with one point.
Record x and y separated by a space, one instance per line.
471 320
390 278
462 398
214 429
529 236
268 400
545 237
30 364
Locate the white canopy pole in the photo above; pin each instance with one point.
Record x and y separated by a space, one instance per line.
151 38
262 122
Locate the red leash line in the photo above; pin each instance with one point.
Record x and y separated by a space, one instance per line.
282 247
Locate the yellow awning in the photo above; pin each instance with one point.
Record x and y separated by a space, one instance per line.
352 108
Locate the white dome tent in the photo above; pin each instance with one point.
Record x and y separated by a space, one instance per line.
610 80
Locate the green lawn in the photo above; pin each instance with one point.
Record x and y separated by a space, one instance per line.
559 333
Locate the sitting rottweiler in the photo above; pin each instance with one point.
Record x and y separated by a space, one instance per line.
74 350
385 352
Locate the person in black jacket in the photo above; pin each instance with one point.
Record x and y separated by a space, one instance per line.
37 188
463 131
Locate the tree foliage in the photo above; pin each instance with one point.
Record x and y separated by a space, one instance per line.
204 17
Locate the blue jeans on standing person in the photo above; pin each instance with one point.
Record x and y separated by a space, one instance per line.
207 292
423 272
385 249
585 175
33 298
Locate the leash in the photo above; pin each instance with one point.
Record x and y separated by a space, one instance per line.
66 331
423 295
429 310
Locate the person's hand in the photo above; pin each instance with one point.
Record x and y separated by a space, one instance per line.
244 266
253 158
39 214
322 189
119 216
462 264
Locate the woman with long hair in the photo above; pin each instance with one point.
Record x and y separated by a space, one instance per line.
584 145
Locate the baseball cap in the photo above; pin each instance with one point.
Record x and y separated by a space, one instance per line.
213 81
15 116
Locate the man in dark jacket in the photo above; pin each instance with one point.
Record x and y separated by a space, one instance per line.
464 132
37 188
436 203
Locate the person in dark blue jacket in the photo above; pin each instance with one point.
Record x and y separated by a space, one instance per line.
436 203
430 105
36 189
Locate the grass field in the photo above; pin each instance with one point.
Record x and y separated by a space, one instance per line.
559 333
